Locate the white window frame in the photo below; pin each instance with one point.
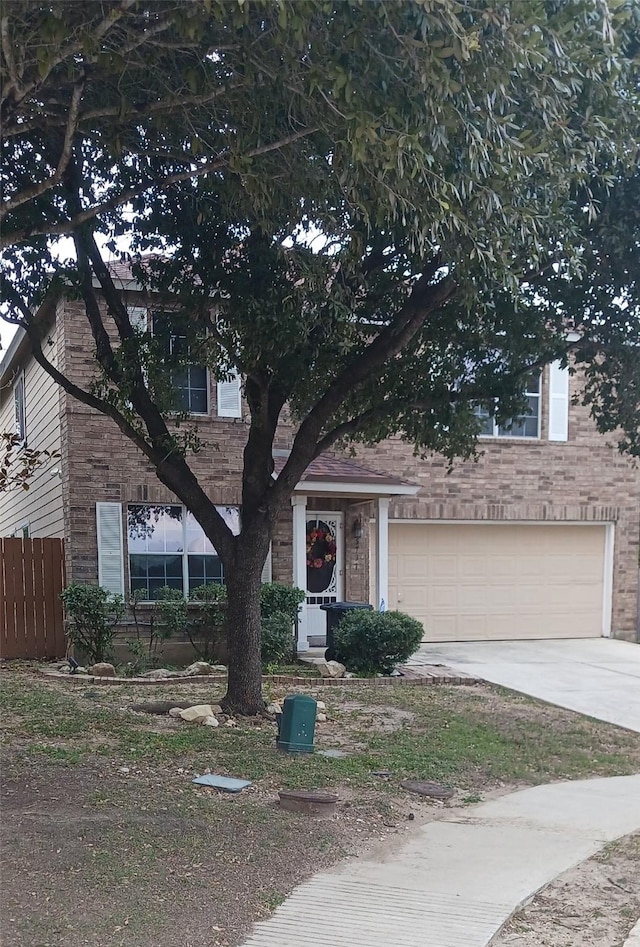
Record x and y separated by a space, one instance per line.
19 398
196 414
506 435
184 554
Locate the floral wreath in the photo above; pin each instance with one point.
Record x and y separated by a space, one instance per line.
321 548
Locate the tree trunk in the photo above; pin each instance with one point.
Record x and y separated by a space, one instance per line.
244 686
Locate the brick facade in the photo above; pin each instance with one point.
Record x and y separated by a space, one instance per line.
512 480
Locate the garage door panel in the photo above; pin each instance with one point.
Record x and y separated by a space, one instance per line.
476 582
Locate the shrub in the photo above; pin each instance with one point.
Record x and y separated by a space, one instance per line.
374 642
207 625
150 629
279 607
92 614
172 612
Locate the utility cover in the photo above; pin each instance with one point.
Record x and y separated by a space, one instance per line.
226 783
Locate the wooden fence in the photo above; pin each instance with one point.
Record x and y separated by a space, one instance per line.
31 580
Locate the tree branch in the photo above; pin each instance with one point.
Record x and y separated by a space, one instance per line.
92 401
68 226
29 193
115 13
424 299
153 108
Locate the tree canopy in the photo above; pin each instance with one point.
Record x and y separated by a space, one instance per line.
381 214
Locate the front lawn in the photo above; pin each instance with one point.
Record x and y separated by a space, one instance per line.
108 842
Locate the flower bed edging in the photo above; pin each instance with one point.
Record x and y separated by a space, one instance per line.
435 676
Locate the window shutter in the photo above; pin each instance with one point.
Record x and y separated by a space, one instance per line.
110 548
266 569
558 402
137 318
229 401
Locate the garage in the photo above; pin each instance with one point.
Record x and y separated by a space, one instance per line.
491 582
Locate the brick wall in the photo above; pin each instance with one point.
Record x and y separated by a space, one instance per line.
583 479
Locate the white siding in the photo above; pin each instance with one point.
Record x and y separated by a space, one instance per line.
41 505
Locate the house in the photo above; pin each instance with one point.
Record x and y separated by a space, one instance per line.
538 538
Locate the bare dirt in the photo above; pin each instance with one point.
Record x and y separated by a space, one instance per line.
593 905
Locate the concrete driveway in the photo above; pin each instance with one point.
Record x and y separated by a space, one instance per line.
599 677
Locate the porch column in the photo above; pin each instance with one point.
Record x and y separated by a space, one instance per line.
299 504
382 552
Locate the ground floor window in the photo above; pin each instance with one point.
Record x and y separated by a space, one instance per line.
168 548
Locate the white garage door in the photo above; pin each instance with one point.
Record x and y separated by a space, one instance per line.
486 582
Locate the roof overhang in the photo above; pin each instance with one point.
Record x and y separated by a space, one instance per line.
361 491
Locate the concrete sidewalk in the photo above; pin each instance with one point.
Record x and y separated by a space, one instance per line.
595 676
458 879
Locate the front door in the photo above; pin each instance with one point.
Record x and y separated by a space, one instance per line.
325 571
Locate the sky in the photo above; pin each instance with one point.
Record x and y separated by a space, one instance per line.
6 334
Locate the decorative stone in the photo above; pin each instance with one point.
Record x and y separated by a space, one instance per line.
321 718
332 669
434 790
211 721
176 711
158 674
231 722
274 708
198 668
219 668
197 713
103 669
321 805
321 706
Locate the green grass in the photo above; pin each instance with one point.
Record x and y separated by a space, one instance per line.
467 737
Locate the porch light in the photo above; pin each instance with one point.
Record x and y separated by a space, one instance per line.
358 531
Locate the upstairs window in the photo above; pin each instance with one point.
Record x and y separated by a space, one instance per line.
190 381
168 548
524 425
19 409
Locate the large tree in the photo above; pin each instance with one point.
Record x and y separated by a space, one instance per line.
372 211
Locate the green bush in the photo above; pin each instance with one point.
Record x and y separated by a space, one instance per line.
92 614
279 607
374 642
207 624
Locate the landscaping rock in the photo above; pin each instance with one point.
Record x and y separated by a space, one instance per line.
274 708
197 668
103 669
176 711
321 718
231 722
320 705
197 713
158 674
161 706
332 669
211 721
219 668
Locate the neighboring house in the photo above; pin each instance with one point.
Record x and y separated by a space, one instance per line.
538 538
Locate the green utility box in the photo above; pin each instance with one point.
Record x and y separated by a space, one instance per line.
296 724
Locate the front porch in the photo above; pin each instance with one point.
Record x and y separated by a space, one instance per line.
340 539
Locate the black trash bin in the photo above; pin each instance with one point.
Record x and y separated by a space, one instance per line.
335 612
